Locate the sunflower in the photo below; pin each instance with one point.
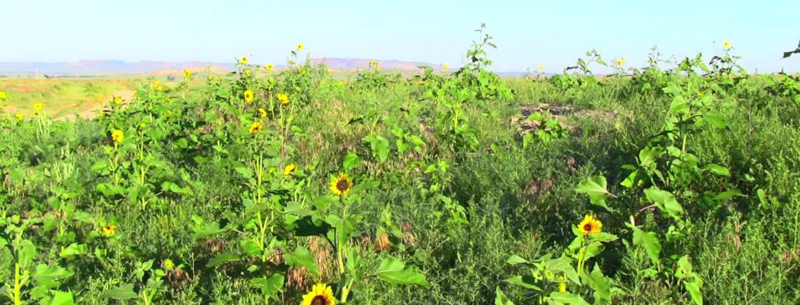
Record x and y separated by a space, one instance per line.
248 72
540 68
169 113
38 107
562 287
373 63
117 100
378 67
320 294
270 67
256 127
108 230
299 46
169 265
154 83
619 62
211 78
341 185
243 60
3 96
341 82
726 44
590 225
283 98
142 125
159 88
117 136
289 169
302 71
262 113
187 73
248 96
445 66
700 94
19 116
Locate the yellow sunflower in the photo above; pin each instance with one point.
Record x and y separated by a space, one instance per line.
248 72
320 294
302 71
726 44
341 185
142 125
270 67
248 96
187 73
289 169
256 127
562 287
619 62
117 136
540 68
159 88
117 100
445 66
590 225
19 116
373 63
243 60
155 83
169 113
169 265
283 98
262 112
108 230
38 107
341 82
378 67
299 46
3 96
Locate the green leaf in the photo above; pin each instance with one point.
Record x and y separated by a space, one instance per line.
604 237
270 286
393 271
716 119
48 275
727 195
514 260
221 259
679 106
99 166
302 257
124 292
718 170
694 287
61 298
665 201
351 160
246 172
596 188
649 241
566 298
381 147
501 298
563 265
599 283
73 250
526 281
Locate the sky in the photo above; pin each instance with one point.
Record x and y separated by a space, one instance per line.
528 33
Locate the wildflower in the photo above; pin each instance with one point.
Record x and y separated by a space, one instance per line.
211 78
270 67
299 46
248 96
378 67
38 107
540 68
726 44
108 230
562 287
159 88
117 100
262 112
445 66
303 71
187 73
154 83
142 125
289 169
373 63
341 82
101 113
341 184
590 225
243 60
117 136
248 72
3 96
256 127
700 94
320 294
169 265
619 62
169 113
283 98
19 116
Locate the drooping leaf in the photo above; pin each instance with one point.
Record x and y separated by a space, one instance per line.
649 241
500 298
665 201
526 281
393 271
514 260
596 188
599 283
351 160
124 292
563 265
222 258
269 286
718 170
302 258
566 298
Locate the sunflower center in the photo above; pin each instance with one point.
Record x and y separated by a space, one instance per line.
587 227
318 300
342 185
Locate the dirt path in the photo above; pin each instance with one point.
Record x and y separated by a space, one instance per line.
127 96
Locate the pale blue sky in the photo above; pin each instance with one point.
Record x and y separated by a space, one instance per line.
528 33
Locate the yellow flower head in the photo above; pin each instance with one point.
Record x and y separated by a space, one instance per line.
117 100
117 136
248 96
108 230
243 60
169 113
445 66
289 169
142 125
378 67
341 185
3 96
283 98
373 63
619 62
169 265
248 72
155 83
101 113
19 116
211 78
562 287
38 107
159 88
320 294
540 68
341 82
303 71
700 94
590 225
256 127
187 73
262 112
726 44
299 46
270 67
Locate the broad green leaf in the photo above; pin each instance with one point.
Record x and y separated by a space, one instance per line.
524 281
302 257
727 195
563 265
99 166
566 298
716 119
48 275
270 286
351 160
61 298
381 147
650 242
73 250
718 170
501 298
393 271
246 172
596 188
221 259
665 201
604 237
514 260
694 286
679 106
599 283
124 292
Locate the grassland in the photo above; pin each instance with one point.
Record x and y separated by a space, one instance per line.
441 188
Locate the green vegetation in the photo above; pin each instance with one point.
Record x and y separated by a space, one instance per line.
649 186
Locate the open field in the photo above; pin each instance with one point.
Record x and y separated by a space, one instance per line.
649 186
